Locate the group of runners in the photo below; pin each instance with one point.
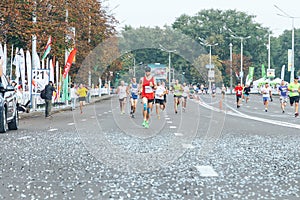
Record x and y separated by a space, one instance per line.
151 92
287 92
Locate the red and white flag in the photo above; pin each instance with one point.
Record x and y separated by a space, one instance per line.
69 62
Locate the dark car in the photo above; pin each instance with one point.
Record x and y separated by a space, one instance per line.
9 118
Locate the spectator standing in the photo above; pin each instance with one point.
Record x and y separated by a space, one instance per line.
73 96
49 89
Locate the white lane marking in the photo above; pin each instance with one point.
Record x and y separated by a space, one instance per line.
178 134
173 127
109 111
187 146
24 138
206 171
99 115
52 129
167 118
169 122
93 117
83 120
238 113
105 113
70 124
270 121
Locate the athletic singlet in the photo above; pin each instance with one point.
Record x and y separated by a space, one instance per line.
134 90
147 89
122 92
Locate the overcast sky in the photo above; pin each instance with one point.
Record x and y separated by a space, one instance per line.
164 12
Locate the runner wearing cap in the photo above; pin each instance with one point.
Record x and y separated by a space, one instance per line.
294 89
146 88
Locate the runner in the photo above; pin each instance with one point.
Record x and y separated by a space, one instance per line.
147 84
165 95
177 90
282 91
294 94
122 93
159 98
267 94
238 90
185 95
133 89
213 90
246 91
223 91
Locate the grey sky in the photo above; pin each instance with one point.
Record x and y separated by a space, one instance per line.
164 12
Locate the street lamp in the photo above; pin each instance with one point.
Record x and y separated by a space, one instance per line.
293 39
209 45
241 38
230 47
169 51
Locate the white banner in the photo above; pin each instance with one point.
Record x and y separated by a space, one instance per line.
289 60
41 76
282 72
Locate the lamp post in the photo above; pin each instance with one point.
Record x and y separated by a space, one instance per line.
241 38
169 51
293 39
230 47
209 45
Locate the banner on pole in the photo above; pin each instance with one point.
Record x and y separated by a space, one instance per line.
290 60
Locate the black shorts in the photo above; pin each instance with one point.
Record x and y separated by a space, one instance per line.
81 98
150 100
238 98
159 101
294 99
177 96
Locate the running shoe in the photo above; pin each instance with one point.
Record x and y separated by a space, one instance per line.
296 114
144 123
147 124
158 116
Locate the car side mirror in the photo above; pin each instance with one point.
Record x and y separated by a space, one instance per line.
9 88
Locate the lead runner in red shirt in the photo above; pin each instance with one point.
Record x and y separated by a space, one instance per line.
147 86
239 91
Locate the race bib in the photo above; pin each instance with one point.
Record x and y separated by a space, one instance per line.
148 89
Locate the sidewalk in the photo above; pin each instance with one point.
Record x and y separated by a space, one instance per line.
60 108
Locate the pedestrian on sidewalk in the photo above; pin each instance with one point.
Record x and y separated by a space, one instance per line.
49 89
81 92
73 96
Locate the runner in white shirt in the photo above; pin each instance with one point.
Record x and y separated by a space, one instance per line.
185 95
122 93
159 97
267 94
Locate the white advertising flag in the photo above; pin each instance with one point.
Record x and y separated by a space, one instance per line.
28 65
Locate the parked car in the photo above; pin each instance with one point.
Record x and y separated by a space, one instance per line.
9 118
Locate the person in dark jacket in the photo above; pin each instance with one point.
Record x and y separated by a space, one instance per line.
49 89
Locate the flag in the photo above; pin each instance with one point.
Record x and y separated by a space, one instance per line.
69 62
263 72
51 71
16 63
11 61
290 59
47 48
4 59
249 78
22 67
28 66
282 72
65 87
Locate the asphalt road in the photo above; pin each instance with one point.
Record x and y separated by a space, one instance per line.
210 151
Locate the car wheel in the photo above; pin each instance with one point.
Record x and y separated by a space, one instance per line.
14 124
3 120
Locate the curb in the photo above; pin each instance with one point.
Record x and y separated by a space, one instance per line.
58 110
